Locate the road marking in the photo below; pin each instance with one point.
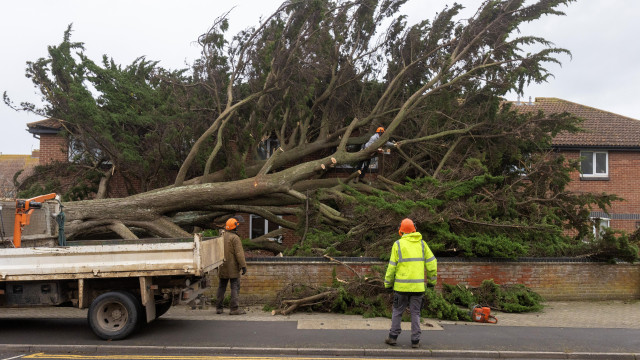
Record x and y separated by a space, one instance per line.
170 357
15 357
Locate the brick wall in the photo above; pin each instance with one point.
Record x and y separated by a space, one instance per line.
118 186
552 280
53 147
624 172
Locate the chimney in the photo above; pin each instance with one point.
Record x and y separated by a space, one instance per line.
518 101
530 103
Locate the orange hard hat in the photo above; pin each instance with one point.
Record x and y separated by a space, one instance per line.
380 130
406 227
231 224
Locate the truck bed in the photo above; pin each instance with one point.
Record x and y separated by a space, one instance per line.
112 259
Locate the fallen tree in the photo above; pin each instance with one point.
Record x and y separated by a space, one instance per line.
260 121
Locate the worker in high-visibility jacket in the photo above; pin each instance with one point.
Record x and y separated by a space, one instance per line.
410 256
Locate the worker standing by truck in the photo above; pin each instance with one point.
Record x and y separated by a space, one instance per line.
229 271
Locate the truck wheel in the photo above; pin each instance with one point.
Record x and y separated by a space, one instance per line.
113 315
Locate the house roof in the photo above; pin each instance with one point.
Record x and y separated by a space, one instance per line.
602 128
46 126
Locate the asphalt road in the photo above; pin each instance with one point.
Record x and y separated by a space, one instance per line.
284 334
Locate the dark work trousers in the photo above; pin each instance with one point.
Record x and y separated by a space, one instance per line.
402 300
235 291
363 166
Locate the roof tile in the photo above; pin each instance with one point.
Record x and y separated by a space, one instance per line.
50 123
602 128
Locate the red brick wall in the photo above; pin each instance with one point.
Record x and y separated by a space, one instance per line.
624 172
552 280
53 148
118 186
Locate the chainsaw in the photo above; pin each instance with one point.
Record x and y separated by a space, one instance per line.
483 315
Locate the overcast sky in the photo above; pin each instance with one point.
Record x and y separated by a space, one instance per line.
602 35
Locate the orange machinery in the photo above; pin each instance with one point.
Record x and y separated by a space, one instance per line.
24 209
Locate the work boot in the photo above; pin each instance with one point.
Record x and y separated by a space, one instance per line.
237 312
219 311
390 341
415 345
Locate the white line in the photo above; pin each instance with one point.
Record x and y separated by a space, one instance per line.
15 357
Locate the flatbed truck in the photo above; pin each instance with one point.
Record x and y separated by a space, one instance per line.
123 283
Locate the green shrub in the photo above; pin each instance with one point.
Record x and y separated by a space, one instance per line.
508 298
436 306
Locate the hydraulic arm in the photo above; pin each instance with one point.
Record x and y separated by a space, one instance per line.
24 209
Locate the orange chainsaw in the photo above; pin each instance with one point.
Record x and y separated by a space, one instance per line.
483 315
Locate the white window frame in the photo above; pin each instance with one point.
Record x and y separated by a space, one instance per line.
593 162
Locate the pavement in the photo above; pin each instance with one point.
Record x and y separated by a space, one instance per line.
562 330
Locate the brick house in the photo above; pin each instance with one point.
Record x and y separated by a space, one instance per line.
10 165
52 148
55 148
610 152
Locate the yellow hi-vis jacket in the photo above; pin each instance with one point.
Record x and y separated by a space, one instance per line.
409 257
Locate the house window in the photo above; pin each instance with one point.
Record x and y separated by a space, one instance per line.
594 163
260 226
599 224
267 147
81 151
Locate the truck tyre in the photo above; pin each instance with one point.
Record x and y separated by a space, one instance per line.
114 315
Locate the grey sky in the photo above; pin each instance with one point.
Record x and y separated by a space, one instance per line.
604 72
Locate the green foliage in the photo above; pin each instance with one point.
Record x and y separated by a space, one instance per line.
115 117
48 179
210 232
318 239
486 215
352 300
368 307
458 295
388 202
458 189
507 298
436 306
615 245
